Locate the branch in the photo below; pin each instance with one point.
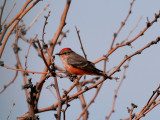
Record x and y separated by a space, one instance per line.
149 24
58 117
116 69
150 104
132 30
5 86
54 41
9 13
116 91
81 43
63 35
2 8
49 88
14 19
84 110
48 4
122 24
13 104
13 26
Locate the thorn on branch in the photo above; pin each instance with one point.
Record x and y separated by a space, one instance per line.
86 88
29 85
53 107
16 49
2 63
32 117
118 70
128 109
45 46
123 23
148 23
117 44
115 35
68 1
156 16
133 105
139 52
56 116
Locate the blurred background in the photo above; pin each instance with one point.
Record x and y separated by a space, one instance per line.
97 21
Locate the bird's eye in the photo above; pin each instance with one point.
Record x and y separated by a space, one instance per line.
64 53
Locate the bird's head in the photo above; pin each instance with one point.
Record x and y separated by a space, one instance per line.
64 52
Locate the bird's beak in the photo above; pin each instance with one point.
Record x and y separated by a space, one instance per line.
58 54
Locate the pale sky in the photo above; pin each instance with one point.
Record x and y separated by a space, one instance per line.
97 21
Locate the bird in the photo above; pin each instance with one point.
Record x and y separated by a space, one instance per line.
75 64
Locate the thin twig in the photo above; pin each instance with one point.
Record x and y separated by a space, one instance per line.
35 19
27 71
44 26
15 48
14 25
132 30
81 43
49 88
53 74
83 103
150 104
2 8
28 52
5 86
132 40
9 13
122 24
63 35
84 110
116 91
59 99
13 104
14 19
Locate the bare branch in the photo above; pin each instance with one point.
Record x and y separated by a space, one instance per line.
81 43
122 24
13 104
9 13
48 4
5 86
116 91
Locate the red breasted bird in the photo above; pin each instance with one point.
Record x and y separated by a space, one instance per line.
77 65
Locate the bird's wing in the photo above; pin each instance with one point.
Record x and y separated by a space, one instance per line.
79 62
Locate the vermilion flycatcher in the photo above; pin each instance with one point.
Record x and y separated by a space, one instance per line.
77 65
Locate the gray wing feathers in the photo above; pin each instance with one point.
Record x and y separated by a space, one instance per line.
81 63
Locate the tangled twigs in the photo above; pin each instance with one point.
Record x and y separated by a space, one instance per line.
16 20
150 104
52 72
54 41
